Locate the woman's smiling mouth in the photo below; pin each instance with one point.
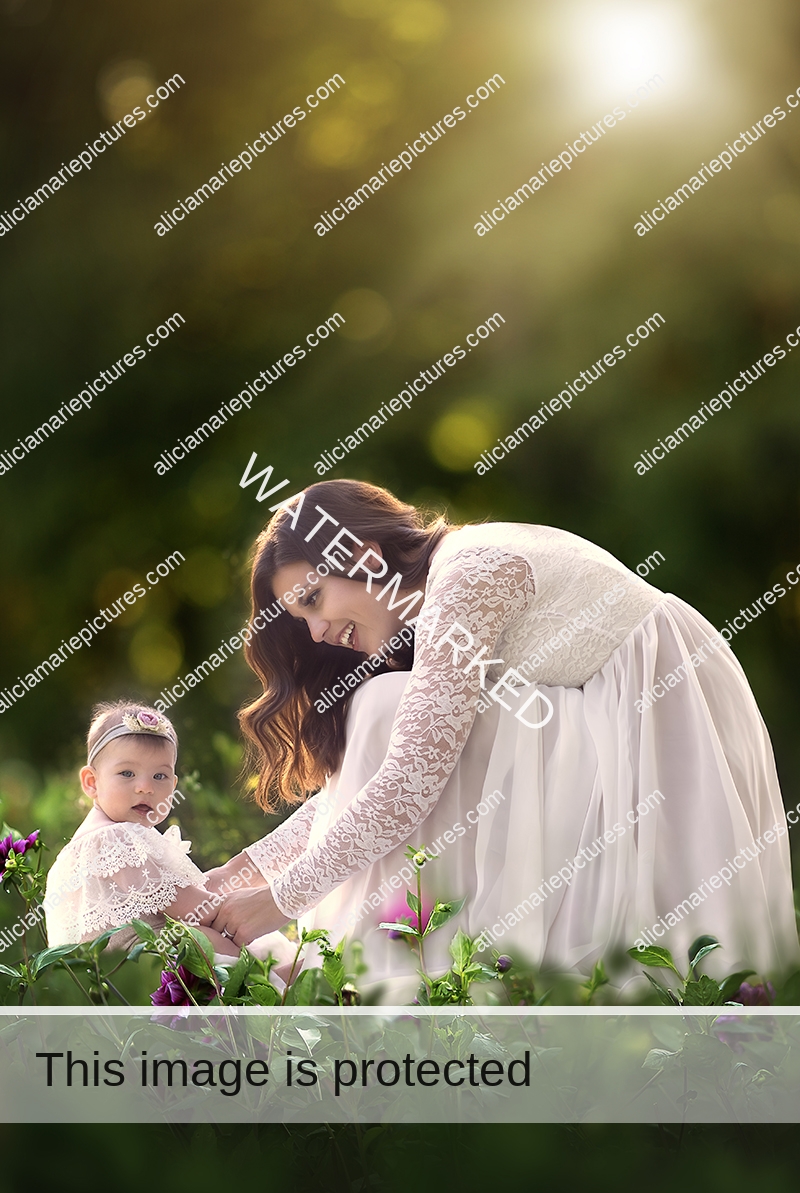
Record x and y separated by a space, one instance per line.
348 636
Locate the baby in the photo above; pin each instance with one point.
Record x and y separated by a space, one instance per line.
118 867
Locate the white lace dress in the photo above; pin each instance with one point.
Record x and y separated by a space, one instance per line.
107 876
638 806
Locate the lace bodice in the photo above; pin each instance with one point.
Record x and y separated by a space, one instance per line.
586 601
110 875
497 597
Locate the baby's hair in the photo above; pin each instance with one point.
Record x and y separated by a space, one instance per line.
110 713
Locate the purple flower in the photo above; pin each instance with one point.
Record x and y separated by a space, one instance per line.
9 846
171 993
761 995
755 996
148 719
503 963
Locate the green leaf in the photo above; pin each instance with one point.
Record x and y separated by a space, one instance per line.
656 957
263 994
310 1036
703 952
707 1057
407 928
696 947
203 943
461 949
443 991
659 1058
598 979
732 983
8 972
136 951
143 931
333 972
787 995
442 912
413 902
314 934
193 956
481 973
703 993
48 957
663 993
238 974
100 943
302 990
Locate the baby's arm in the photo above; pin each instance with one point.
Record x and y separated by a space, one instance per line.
196 907
199 907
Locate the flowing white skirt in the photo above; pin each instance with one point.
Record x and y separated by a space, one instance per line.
661 803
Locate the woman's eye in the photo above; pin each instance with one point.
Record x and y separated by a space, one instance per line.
311 600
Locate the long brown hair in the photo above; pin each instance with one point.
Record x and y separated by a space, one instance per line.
294 746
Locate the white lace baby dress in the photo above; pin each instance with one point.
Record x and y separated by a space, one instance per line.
108 876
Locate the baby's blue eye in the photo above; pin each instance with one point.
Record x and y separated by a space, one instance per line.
127 774
160 776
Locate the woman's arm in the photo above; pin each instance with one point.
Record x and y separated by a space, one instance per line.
474 596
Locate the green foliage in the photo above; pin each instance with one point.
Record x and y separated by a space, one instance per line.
693 991
184 956
598 979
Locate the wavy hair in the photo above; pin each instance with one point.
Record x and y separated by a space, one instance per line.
293 746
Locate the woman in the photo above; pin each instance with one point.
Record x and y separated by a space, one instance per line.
577 814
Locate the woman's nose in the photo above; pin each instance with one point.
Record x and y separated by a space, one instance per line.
317 628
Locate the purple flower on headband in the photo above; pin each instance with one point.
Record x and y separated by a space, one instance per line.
148 720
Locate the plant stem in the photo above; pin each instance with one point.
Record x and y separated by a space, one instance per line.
76 980
291 973
111 986
419 926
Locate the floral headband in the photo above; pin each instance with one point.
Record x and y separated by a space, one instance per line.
138 722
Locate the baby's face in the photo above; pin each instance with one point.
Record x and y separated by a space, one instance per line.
133 779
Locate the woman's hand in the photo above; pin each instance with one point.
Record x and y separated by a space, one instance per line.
247 914
239 867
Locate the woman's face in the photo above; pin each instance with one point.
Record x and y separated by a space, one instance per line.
339 611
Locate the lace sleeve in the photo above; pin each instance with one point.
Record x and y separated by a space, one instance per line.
474 595
113 875
283 845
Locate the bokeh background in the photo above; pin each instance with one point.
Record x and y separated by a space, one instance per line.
85 277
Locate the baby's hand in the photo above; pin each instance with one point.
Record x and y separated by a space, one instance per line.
236 874
214 878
